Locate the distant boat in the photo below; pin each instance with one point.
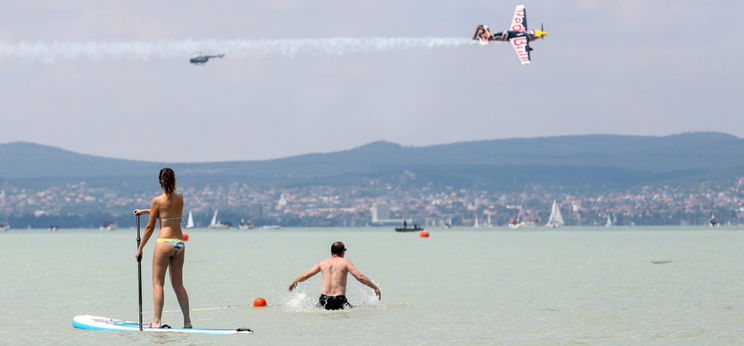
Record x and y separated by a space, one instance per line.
609 221
270 227
190 222
4 226
556 219
713 222
514 222
53 228
107 226
217 224
245 224
405 228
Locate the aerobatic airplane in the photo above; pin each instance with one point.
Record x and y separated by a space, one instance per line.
202 59
518 35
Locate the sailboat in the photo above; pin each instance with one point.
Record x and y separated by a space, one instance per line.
713 222
556 219
108 226
609 221
245 224
217 224
190 221
514 222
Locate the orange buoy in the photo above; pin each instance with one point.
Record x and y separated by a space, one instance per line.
185 236
424 234
259 302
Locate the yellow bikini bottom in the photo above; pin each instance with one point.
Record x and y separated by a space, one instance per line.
177 243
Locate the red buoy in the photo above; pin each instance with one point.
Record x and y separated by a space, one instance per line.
424 234
259 302
185 236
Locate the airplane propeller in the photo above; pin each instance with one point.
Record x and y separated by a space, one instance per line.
542 31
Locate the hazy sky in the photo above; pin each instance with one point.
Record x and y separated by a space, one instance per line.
620 67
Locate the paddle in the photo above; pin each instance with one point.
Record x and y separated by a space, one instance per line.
139 273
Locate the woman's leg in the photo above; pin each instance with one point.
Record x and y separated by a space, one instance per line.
160 260
176 278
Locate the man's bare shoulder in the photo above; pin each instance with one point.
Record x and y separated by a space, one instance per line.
344 263
335 261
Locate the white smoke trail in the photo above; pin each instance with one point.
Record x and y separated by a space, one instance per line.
142 50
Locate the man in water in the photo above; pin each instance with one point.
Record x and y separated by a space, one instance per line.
335 270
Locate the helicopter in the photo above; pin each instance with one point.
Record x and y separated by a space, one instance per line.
204 58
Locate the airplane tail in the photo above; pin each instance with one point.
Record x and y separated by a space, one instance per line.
482 34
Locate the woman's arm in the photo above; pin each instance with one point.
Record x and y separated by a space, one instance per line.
153 211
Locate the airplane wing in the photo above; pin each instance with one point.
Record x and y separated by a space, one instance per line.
522 47
519 21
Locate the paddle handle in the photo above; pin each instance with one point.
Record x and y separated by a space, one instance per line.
139 274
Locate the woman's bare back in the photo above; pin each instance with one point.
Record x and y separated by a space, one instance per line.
169 211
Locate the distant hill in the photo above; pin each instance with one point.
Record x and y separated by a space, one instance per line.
22 160
587 159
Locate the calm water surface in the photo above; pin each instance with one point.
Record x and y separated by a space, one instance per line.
460 286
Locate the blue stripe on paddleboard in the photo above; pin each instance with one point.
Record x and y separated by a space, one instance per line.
85 322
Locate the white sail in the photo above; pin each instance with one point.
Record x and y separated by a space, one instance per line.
609 221
214 218
555 219
216 224
190 222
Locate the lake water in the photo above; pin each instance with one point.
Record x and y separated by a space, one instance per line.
613 286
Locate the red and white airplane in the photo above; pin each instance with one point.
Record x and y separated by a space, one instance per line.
517 34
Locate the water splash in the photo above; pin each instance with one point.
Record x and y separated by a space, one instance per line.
366 296
237 48
360 296
298 301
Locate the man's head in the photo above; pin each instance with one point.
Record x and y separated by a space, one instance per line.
338 248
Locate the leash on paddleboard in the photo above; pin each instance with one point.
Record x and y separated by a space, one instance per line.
139 273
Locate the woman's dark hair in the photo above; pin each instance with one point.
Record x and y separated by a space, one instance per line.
167 180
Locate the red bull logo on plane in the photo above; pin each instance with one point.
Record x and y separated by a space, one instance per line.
518 20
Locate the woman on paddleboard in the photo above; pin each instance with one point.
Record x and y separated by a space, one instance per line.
170 247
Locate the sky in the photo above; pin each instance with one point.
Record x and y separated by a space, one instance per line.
632 67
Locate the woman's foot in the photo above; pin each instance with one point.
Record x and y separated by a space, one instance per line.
187 325
153 325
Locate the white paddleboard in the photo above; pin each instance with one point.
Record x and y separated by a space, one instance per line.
106 323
